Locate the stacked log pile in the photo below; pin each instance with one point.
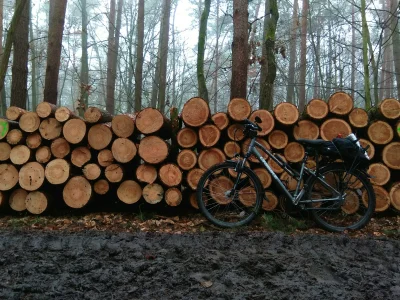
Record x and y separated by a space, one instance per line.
147 157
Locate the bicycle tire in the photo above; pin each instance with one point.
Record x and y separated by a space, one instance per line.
355 209
225 210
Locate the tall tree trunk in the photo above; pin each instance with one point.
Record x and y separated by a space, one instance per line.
395 41
56 28
84 79
239 49
268 66
365 56
216 49
34 75
353 51
111 72
292 53
174 98
303 57
201 80
3 106
139 55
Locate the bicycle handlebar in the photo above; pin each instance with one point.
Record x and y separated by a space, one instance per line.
249 125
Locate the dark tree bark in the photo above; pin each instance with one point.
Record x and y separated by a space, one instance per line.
201 80
396 41
292 53
303 57
139 54
111 72
34 76
84 80
3 106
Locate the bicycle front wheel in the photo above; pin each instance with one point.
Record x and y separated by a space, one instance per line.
356 204
226 200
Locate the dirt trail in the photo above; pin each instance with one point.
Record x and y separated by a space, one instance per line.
213 265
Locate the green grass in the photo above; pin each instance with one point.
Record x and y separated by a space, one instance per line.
285 224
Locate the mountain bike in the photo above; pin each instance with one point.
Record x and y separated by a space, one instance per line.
337 194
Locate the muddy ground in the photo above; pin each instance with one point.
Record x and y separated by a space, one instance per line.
208 265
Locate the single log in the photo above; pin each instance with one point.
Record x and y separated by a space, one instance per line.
15 137
210 157
33 140
351 203
286 113
50 129
101 187
289 182
173 196
231 149
274 166
81 156
193 200
306 129
37 202
77 192
60 148
129 192
46 109
358 118
187 159
96 115
91 171
391 155
17 200
270 201
187 137
114 173
170 175
150 120
3 199
153 193
294 152
8 177
43 154
340 103
220 120
267 121
153 149
193 177
195 112
264 177
74 131
380 174
334 127
5 150
123 126
317 109
146 173
233 173
20 154
217 188
31 176
235 132
252 158
99 136
29 122
105 158
380 133
239 109
13 113
123 150
382 198
371 149
389 108
278 139
209 135
57 171
394 194
63 114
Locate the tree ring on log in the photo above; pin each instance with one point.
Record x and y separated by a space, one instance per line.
17 200
390 108
105 157
80 156
391 155
306 129
278 139
146 173
351 203
123 126
193 177
8 177
31 176
173 196
331 128
60 148
209 135
29 122
20 154
33 140
380 174
210 157
317 109
340 103
235 132
153 193
43 154
271 203
220 120
74 131
36 202
395 195
187 159
77 192
294 152
371 149
5 150
268 122
264 177
195 112
252 158
239 109
358 118
149 120
123 150
380 132
286 113
187 137
381 196
99 136
129 192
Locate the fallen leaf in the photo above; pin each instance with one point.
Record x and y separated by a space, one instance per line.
206 284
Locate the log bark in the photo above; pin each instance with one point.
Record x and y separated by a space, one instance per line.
13 113
170 175
123 126
340 103
101 187
8 177
193 200
187 137
60 148
80 156
331 128
294 152
380 133
195 112
380 174
96 115
3 199
173 196
50 129
29 122
77 192
391 156
371 149
31 176
105 158
146 173
187 159
210 157
394 194
37 202
209 135
239 109
153 149
358 118
151 121
57 171
389 108
264 177
231 149
268 122
317 109
306 129
15 137
20 154
252 158
220 120
46 109
114 173
129 192
286 113
5 150
271 203
43 154
278 139
63 114
382 198
74 131
235 132
17 200
123 150
33 140
193 177
99 136
153 193
91 171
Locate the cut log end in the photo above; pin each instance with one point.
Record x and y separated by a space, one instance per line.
173 196
278 139
371 149
170 175
187 159
331 128
391 156
29 122
294 152
80 156
231 149
286 113
60 148
317 109
43 154
77 192
394 194
50 129
358 118
271 201
210 157
95 115
99 136
114 173
5 150
105 158
101 187
153 149
63 114
239 109
187 138
306 129
382 198
74 131
252 158
380 174
15 136
31 176
390 108
123 126
149 120
14 113
267 121
20 154
340 103
220 120
209 135
235 132
33 140
45 109
146 173
8 177
193 177
91 171
36 202
123 150
264 177
380 133
193 200
195 112
129 192
153 193
17 200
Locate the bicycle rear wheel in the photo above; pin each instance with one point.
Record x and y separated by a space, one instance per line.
223 204
353 210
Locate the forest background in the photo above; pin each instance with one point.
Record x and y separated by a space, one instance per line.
124 55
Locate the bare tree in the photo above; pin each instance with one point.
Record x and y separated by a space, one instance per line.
84 76
3 105
292 53
139 54
201 80
303 56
